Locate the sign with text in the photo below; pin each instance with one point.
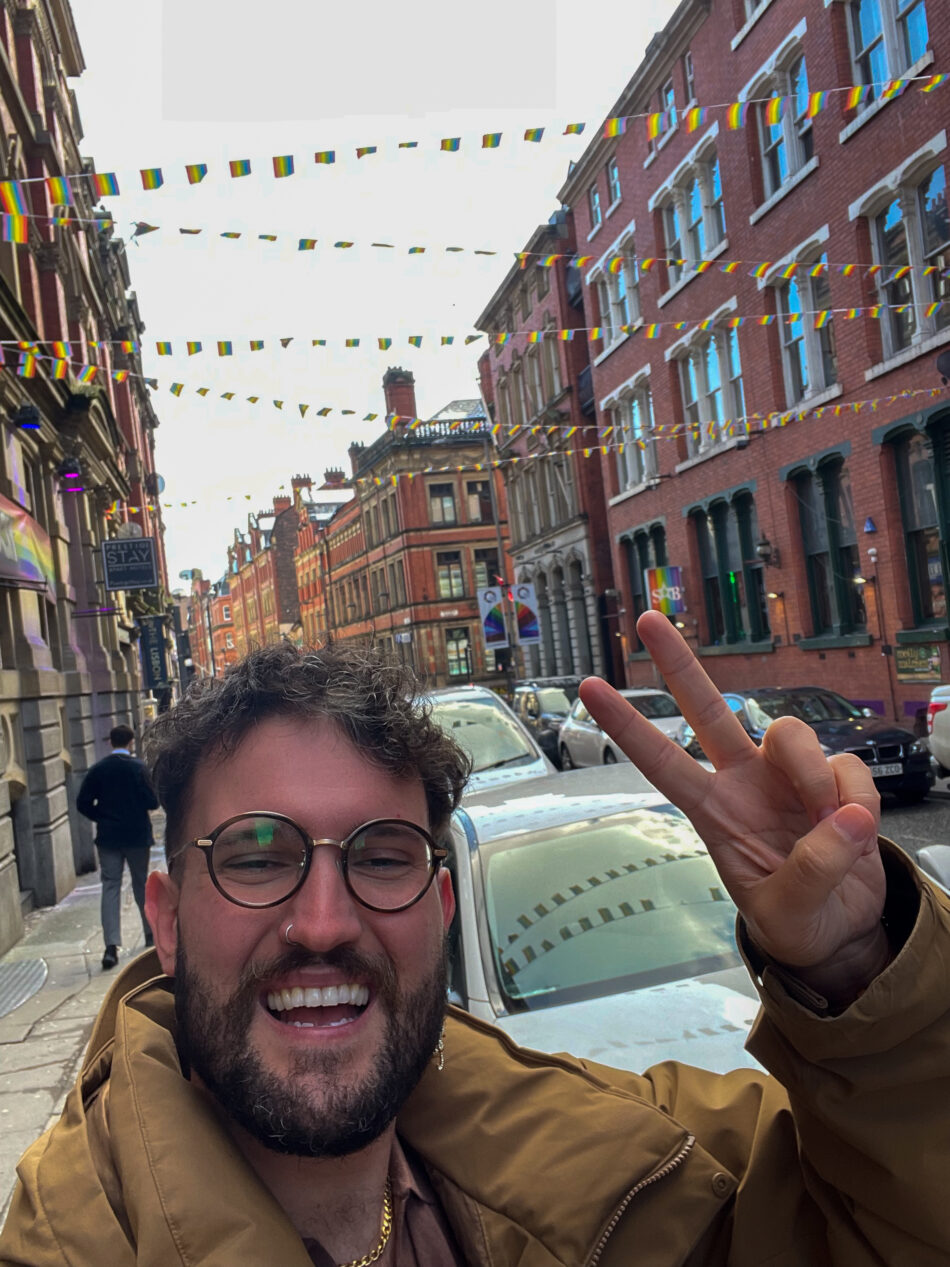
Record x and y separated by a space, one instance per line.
153 651
918 662
526 615
491 615
664 587
130 564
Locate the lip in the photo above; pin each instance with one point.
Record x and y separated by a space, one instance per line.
317 1034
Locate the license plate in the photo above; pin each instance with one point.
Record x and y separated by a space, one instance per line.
884 771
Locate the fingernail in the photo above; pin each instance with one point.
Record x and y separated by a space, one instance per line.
851 823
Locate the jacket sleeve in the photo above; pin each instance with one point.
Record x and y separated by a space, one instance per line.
88 792
149 797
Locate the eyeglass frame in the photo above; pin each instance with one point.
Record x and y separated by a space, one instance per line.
205 845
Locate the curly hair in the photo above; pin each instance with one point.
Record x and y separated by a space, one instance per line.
373 700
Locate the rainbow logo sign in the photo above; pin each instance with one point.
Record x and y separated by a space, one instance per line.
664 586
491 613
526 615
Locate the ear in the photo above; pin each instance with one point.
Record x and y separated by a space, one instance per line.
446 896
161 911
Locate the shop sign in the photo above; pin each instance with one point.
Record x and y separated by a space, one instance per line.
130 564
918 662
152 649
664 586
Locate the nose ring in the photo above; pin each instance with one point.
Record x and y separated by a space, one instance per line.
287 937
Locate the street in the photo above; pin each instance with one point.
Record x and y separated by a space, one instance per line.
914 826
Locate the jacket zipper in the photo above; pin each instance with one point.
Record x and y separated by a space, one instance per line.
657 1175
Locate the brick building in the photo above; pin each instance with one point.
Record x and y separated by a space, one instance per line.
539 395
316 508
813 547
262 577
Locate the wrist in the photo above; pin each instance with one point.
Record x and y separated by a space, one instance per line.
844 978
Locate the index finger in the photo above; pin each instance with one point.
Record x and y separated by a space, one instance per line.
717 728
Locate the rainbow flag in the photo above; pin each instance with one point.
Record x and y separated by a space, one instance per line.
415 340
202 391
196 172
548 261
225 347
152 178
118 376
574 129
893 89
775 111
303 410
731 267
501 338
267 237
257 345
351 343
761 270
227 395
471 338
285 343
11 198
59 192
737 115
534 336
595 333
60 349
104 184
788 272
533 134
856 96
933 82
658 123
129 345
15 229
252 400
240 166
306 244
450 144
817 270
853 313
278 404
176 389
417 250
406 145
363 150
816 103
653 331
491 140
767 320
447 340
384 344
325 412
283 165
193 231
231 235
163 349
325 157
87 373
616 265
822 318
615 127
931 309
27 365
192 347
696 118
60 368
565 335
846 270
318 343
342 246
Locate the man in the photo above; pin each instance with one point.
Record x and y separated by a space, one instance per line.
284 1093
117 795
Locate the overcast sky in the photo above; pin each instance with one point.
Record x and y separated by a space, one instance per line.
189 81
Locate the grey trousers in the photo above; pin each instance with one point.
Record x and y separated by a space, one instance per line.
111 862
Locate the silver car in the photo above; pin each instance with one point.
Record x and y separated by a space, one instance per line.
581 742
502 750
590 919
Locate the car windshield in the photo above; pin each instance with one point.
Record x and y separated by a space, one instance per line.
654 706
809 706
592 908
557 699
485 731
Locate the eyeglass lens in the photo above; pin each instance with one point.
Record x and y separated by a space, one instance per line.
258 860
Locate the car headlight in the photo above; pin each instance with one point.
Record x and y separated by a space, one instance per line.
917 746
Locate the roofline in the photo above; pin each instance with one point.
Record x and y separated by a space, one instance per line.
538 236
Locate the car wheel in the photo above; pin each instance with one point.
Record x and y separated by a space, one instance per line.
566 762
910 798
609 757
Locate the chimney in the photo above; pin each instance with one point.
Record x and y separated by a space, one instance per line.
356 453
301 482
282 503
399 389
333 477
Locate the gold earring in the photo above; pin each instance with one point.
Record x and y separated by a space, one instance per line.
440 1050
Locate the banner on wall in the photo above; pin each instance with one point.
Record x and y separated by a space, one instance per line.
664 587
491 615
526 615
26 552
153 651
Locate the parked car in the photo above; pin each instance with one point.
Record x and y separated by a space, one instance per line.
938 730
898 760
541 704
590 919
581 741
483 724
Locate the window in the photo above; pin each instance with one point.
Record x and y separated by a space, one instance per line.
486 568
458 653
733 580
911 235
692 216
831 552
442 504
668 101
613 182
711 388
478 498
544 282
689 76
526 301
229 641
785 129
646 548
593 200
449 573
887 37
397 583
550 364
618 292
809 358
636 445
225 612
925 543
533 383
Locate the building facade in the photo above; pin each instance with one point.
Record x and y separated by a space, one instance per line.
76 467
770 286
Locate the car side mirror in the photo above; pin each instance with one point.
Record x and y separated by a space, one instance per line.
934 861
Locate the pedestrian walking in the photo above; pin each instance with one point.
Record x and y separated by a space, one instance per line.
117 794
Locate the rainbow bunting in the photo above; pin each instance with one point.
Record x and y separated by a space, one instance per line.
227 395
703 266
60 368
59 192
816 103
899 273
533 134
163 349
933 82
225 347
176 389
501 338
202 391
875 312
87 373
285 343
767 320
240 166
256 345
318 343
306 244
491 140
574 129
118 376
252 400
846 270
415 340
342 246
446 340
874 270
189 230
371 417
104 184
325 157
15 229
450 144
761 270
856 96
11 197
931 309
27 365
363 150
580 261
407 145
737 115
534 336
595 333
324 412
384 343
565 335
417 250
788 272
230 234
60 349
615 127
653 331
731 267
471 338
894 88
616 265
852 314
351 343
548 261
192 347
303 410
818 270
283 165
775 111
267 237
196 172
152 178
658 123
696 118
129 345
822 318
278 404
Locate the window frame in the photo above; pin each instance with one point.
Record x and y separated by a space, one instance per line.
614 188
833 592
594 207
898 57
792 136
443 498
452 584
703 431
818 346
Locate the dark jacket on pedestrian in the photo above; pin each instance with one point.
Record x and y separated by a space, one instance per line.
117 794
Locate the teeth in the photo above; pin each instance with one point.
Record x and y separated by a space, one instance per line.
328 996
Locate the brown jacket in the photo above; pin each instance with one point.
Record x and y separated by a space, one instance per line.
541 1161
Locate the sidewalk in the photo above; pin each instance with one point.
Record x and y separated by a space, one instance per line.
43 1040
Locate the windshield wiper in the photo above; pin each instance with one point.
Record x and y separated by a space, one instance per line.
496 765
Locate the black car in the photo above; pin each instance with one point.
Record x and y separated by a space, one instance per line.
898 760
541 704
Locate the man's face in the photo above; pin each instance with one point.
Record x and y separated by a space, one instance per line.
310 1080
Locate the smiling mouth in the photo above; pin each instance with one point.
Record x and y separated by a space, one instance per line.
315 1007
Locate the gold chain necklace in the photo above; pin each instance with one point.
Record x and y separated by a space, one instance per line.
385 1228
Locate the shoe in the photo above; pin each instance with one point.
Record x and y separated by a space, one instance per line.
110 958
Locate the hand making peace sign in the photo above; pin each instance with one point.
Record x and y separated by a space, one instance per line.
793 833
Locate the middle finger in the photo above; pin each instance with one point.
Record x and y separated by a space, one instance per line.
793 747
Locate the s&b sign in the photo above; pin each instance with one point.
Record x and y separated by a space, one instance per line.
130 564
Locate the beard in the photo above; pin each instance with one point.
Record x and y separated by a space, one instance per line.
213 1041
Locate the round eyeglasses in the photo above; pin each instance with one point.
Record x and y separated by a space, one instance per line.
262 859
